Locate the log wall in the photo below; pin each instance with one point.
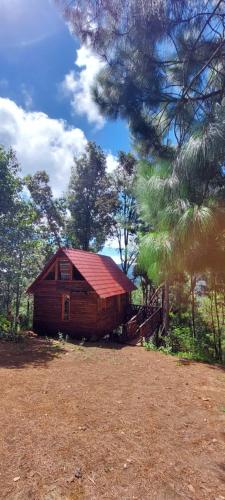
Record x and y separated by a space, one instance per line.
90 316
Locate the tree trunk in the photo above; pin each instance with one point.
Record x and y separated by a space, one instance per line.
213 327
218 326
193 282
166 306
17 306
28 313
18 293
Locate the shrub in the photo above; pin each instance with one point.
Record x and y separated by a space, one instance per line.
4 324
149 345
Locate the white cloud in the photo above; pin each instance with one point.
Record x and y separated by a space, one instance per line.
111 162
41 142
78 85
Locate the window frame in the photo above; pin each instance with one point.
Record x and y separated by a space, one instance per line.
65 296
63 261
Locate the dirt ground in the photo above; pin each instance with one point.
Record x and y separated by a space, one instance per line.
92 422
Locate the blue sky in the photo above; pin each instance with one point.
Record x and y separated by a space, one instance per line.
46 111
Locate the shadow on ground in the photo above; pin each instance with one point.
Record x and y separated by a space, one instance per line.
36 352
216 366
99 344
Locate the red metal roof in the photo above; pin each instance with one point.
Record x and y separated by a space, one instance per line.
101 272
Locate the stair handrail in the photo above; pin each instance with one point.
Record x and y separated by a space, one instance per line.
155 293
149 319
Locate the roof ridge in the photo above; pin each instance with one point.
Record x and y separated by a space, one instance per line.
87 252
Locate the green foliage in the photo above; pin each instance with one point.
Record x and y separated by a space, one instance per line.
137 296
182 341
176 92
163 59
203 343
149 345
165 349
4 324
156 256
180 335
92 200
126 220
186 205
24 242
49 210
10 184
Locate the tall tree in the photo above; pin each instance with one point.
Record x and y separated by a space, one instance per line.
51 211
164 73
126 221
21 256
92 200
10 184
20 238
186 203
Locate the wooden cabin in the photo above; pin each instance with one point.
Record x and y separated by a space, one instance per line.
81 294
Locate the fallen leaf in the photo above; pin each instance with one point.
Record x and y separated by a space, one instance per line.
16 478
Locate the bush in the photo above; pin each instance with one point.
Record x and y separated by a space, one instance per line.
4 324
149 346
180 339
181 342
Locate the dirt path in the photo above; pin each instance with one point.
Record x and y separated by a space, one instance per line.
129 424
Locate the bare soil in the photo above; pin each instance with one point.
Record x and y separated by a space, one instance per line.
108 422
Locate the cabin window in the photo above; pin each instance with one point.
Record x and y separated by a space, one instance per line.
64 270
66 307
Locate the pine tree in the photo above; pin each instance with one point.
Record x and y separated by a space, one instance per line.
164 62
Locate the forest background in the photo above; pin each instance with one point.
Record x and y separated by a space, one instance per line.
164 74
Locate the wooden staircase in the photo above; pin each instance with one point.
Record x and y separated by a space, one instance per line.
144 321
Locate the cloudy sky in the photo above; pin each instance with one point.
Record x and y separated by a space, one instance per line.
46 110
